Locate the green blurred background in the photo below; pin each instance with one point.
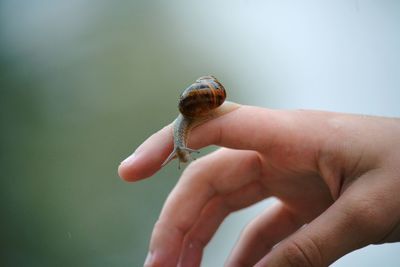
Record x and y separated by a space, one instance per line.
83 83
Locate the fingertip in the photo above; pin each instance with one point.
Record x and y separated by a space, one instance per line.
148 157
135 168
126 169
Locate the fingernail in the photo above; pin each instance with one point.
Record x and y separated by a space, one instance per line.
129 159
149 260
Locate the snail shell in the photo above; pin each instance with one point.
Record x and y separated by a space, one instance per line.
196 105
204 95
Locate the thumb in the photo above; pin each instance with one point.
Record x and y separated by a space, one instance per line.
352 222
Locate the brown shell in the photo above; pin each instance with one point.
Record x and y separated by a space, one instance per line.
206 94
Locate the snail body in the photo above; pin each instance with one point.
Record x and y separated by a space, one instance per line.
197 104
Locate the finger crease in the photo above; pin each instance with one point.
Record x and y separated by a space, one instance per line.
306 257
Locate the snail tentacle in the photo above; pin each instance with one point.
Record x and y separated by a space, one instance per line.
183 153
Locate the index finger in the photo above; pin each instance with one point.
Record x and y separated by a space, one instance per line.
241 128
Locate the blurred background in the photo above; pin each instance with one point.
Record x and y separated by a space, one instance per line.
83 83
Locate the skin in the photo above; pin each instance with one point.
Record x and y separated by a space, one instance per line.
337 178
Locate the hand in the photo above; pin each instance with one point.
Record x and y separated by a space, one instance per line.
337 175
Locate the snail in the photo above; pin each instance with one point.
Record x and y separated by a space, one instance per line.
198 103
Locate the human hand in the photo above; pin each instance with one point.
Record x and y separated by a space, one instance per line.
337 174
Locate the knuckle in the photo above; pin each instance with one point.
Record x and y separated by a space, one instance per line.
367 215
304 253
364 216
193 171
193 166
196 167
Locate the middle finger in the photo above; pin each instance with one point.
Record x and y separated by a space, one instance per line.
216 210
220 173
